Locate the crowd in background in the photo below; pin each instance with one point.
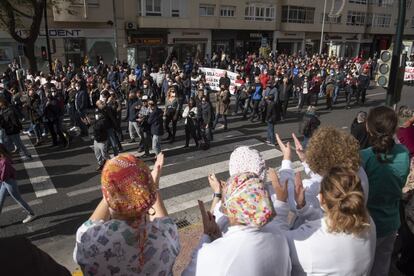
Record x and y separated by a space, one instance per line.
356 195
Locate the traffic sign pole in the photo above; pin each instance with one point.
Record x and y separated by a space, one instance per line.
395 63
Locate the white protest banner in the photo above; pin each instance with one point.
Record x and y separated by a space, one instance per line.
213 76
409 73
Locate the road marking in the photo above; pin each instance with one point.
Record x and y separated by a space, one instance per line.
84 191
186 175
38 176
17 206
201 172
189 200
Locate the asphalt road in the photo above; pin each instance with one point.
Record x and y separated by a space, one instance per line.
62 185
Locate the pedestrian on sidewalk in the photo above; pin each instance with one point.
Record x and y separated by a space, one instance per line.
9 184
130 221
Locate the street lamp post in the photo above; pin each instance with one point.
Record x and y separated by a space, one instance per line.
323 27
115 33
49 53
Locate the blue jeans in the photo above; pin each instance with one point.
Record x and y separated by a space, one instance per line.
14 139
271 133
336 93
10 186
112 140
156 146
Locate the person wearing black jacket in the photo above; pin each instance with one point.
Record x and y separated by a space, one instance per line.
155 122
362 86
10 122
359 130
81 106
100 137
52 114
133 106
272 116
35 114
108 114
285 91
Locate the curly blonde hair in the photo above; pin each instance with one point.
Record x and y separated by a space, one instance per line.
343 201
330 147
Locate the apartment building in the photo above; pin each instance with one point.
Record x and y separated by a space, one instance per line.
158 29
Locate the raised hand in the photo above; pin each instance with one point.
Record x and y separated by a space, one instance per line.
215 184
299 149
209 224
299 192
280 190
285 148
156 171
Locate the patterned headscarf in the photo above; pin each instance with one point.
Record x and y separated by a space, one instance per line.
247 201
244 159
127 186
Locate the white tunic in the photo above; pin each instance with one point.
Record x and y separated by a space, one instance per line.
242 251
315 251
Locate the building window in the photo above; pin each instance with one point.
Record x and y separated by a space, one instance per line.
153 7
331 19
355 18
379 20
295 14
363 2
206 10
259 13
381 3
175 8
227 11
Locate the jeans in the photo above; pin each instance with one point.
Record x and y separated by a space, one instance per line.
101 152
361 93
349 92
156 146
246 107
190 131
37 131
239 103
10 186
383 252
218 116
2 136
131 127
168 120
145 141
113 140
55 131
271 133
336 93
20 147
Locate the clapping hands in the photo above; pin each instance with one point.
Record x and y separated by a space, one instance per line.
209 224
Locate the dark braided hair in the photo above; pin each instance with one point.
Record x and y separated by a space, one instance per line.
382 123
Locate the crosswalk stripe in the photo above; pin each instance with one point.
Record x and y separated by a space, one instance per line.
189 200
38 176
203 171
17 206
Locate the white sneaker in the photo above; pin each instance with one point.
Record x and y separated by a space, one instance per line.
28 133
44 134
29 218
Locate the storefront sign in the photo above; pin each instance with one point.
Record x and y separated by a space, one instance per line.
67 33
255 35
152 41
409 74
213 76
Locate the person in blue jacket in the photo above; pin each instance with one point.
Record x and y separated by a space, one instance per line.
256 98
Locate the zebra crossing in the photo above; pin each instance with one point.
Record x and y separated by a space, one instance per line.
184 179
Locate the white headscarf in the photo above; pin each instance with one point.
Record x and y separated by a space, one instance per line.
244 159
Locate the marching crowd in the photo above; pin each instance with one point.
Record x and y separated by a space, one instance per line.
342 218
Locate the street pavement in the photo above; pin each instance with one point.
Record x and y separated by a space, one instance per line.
63 187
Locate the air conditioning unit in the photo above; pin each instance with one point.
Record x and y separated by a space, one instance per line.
130 26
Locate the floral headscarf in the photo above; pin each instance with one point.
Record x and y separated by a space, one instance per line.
247 201
244 159
129 189
127 186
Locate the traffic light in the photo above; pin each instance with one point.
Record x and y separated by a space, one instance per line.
384 68
44 53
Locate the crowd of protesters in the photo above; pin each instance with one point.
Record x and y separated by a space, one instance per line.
259 223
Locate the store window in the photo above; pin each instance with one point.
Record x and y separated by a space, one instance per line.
296 14
381 3
355 18
175 8
259 13
75 50
206 10
227 11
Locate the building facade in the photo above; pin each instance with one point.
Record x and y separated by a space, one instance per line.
135 30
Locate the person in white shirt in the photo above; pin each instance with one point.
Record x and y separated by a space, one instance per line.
342 242
122 237
244 249
327 148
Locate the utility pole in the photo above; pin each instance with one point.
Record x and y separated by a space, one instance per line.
323 28
396 54
49 53
115 33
